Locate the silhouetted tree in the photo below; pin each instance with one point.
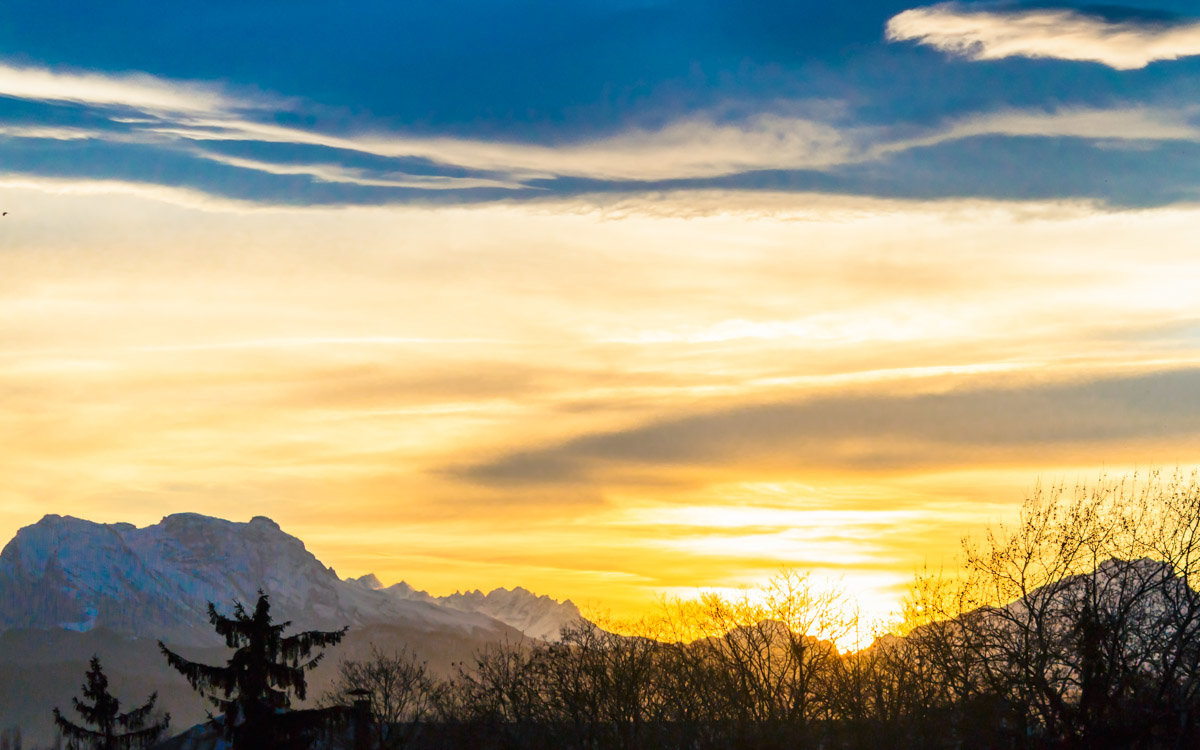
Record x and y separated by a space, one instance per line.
399 688
762 665
113 730
254 689
504 692
1077 626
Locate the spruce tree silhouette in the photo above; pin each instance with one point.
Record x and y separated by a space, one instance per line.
114 730
253 690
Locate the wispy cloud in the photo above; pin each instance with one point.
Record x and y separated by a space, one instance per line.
224 133
54 133
351 176
1063 34
1111 124
133 90
692 148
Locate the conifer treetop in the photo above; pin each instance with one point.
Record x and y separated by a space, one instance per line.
265 668
99 708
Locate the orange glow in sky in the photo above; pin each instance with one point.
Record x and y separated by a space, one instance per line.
606 400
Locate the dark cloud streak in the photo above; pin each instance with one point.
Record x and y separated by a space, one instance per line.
877 431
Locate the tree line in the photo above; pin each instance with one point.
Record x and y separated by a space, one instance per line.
1077 626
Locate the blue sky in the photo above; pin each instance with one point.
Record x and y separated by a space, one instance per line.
777 95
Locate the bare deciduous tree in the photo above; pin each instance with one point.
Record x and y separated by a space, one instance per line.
399 688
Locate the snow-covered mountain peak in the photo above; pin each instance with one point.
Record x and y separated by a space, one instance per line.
535 616
157 581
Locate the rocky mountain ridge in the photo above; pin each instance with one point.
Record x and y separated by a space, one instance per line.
155 582
536 616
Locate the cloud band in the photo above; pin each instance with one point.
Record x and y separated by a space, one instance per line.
1045 33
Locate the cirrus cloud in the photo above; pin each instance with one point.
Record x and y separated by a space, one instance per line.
251 146
1063 34
138 91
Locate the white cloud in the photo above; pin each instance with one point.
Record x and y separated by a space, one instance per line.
1044 33
1136 123
688 149
694 148
184 116
350 176
1116 124
47 132
136 90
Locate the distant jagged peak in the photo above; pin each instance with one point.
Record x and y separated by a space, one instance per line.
475 596
519 591
369 581
535 616
404 589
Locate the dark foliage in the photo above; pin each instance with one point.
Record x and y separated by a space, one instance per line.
113 730
254 689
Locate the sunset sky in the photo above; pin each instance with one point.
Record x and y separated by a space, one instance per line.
605 298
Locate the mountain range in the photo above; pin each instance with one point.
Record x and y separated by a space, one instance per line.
70 587
156 582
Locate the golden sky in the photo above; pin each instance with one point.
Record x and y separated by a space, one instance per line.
598 398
